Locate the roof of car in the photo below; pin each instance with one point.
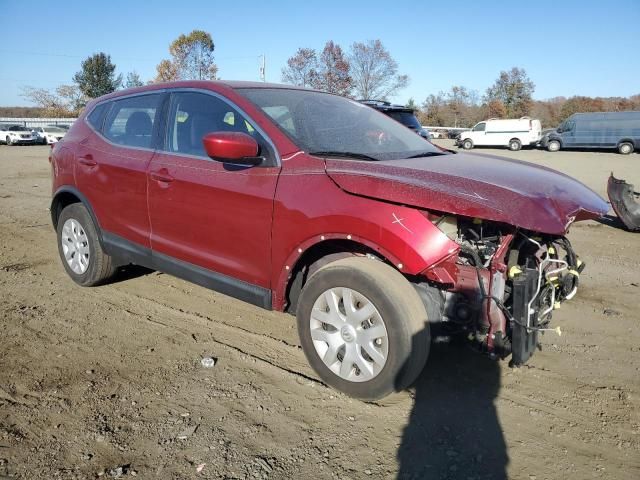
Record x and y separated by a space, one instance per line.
386 106
204 84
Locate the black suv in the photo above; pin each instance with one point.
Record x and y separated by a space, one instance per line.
404 115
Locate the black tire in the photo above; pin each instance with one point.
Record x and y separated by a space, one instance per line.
404 317
515 144
9 142
100 265
467 144
625 148
553 145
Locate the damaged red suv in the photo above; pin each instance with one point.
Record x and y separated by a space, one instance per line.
314 204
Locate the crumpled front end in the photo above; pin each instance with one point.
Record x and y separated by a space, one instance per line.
506 284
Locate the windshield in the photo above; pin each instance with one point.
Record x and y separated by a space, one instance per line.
408 119
321 123
18 128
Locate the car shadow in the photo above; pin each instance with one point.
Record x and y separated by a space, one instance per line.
129 272
453 431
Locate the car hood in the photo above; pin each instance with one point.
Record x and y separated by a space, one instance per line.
480 186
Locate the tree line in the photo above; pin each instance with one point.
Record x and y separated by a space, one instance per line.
367 70
510 97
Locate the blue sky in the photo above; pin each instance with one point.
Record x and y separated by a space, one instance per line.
567 47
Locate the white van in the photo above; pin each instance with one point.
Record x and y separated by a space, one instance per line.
503 133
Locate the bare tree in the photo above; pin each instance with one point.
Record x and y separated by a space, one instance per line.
64 101
374 71
333 71
302 68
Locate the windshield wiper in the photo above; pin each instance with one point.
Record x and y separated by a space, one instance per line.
426 154
336 153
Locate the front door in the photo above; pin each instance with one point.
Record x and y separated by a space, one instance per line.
204 212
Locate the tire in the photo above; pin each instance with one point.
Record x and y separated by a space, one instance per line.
83 258
553 145
9 142
515 144
625 148
380 365
467 144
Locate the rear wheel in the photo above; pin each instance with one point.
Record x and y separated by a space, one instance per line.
363 328
467 144
79 247
553 146
625 148
515 145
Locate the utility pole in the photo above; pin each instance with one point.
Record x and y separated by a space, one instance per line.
263 66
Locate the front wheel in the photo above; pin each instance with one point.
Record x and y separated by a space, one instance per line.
363 328
625 148
515 145
9 142
553 146
467 144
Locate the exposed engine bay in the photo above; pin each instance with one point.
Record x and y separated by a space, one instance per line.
507 284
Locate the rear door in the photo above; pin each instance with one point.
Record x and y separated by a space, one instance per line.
206 213
111 166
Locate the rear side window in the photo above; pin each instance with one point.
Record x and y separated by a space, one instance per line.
96 116
192 115
130 121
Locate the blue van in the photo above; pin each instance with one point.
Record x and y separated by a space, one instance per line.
619 130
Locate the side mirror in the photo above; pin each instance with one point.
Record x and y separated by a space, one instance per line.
232 147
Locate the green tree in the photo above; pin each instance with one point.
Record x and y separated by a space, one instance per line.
97 76
514 89
411 103
374 71
133 80
191 59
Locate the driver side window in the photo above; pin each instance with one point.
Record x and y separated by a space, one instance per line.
192 115
479 127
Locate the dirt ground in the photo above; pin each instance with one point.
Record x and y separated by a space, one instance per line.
107 382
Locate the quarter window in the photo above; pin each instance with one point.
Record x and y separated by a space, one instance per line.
96 116
193 115
130 121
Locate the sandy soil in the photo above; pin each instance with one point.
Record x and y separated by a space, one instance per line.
107 381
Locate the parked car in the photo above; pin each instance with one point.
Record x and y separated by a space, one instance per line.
48 135
16 135
613 130
306 202
399 113
513 134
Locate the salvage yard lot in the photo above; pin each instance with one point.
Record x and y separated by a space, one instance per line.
101 378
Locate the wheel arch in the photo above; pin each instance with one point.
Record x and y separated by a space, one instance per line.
66 196
636 144
311 253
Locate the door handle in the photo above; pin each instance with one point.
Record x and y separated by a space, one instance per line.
87 160
162 176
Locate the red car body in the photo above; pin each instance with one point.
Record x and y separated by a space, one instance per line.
252 226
